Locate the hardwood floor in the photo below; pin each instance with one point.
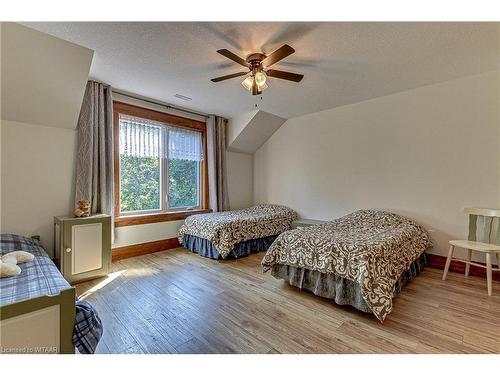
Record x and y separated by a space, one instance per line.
178 302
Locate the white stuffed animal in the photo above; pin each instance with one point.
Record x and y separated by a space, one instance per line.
8 269
9 262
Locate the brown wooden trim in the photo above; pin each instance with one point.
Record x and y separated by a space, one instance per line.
438 261
167 119
144 248
151 114
123 221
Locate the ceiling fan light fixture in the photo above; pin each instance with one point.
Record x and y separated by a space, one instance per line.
248 83
255 64
262 87
260 79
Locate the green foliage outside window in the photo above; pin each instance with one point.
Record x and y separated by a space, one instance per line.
140 183
183 183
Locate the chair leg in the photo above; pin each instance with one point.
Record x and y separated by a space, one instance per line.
448 261
467 265
488 272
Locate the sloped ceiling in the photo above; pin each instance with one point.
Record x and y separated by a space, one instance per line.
43 77
247 132
343 62
237 124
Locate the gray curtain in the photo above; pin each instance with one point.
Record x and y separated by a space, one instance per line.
94 161
216 159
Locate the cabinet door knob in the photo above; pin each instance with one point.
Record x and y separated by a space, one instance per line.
68 250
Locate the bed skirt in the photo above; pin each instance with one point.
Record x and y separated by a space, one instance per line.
339 289
207 249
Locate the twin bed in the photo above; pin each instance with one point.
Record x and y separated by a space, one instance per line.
39 312
362 259
233 234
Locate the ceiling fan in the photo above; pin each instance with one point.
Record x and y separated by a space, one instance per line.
258 64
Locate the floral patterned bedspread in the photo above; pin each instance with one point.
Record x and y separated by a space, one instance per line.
369 247
225 229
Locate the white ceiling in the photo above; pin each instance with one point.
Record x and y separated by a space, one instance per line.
342 62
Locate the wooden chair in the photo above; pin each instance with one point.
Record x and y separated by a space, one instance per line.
490 234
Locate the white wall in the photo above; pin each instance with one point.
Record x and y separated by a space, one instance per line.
43 82
136 234
37 178
240 180
43 77
425 153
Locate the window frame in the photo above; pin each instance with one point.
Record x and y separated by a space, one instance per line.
166 119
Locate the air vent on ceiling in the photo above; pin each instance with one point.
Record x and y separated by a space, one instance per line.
182 97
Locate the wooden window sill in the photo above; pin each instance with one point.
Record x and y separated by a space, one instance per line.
124 221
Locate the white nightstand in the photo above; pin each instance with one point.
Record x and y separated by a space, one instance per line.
300 223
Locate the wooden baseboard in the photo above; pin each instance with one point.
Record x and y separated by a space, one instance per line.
438 261
144 248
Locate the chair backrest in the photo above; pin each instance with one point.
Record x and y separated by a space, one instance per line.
484 225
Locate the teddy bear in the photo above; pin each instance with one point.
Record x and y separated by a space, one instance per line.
9 262
83 209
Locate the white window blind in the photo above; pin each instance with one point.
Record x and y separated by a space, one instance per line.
184 144
140 137
145 138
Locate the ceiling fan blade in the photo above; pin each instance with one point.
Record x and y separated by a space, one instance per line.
232 56
229 76
285 75
278 55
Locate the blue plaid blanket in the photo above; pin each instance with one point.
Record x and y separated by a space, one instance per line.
41 277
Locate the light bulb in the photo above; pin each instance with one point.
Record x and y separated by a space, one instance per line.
260 79
248 83
262 87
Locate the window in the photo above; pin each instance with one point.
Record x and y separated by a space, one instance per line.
140 165
159 165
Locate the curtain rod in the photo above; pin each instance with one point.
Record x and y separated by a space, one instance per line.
168 106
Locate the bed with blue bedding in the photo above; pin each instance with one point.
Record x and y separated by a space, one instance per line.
39 279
